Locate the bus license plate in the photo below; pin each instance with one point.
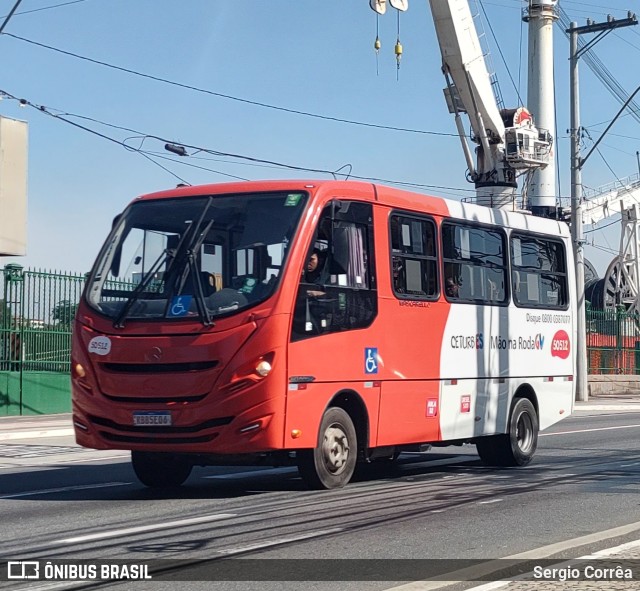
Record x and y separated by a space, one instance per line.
151 418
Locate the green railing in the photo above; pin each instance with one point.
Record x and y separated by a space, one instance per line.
613 342
36 315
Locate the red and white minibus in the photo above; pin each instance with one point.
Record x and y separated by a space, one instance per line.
205 336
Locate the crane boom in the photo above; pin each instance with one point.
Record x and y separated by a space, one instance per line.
463 61
507 139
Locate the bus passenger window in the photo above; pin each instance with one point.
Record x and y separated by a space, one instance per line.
539 273
475 260
413 260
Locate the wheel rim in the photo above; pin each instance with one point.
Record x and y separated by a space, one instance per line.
524 432
335 449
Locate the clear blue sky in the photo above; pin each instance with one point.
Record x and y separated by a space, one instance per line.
302 55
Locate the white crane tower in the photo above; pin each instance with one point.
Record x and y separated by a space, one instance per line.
507 141
540 16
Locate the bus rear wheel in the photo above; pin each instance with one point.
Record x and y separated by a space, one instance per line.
332 462
518 446
160 470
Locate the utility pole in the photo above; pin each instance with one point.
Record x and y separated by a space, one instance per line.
577 234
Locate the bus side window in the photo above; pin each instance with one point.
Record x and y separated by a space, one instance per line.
414 272
345 300
479 254
539 273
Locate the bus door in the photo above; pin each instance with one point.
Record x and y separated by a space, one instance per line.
335 305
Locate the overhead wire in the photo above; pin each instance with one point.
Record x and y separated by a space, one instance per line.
586 131
7 18
504 61
226 96
601 227
66 118
599 69
258 103
47 7
606 249
590 5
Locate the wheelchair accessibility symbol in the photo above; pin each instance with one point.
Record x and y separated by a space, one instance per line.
180 305
371 360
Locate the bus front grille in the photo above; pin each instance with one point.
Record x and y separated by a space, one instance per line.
156 399
156 440
155 368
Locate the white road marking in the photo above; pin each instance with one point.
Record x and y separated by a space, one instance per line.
9 436
145 528
279 541
269 471
561 564
57 585
589 430
124 456
490 501
490 586
615 549
48 491
443 462
542 552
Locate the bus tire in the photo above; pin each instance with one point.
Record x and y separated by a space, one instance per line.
160 470
332 462
518 446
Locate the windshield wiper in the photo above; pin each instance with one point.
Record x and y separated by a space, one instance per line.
146 280
201 304
181 252
186 242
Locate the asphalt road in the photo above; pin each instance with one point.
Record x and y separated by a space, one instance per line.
58 501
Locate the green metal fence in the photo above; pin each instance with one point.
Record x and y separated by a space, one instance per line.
37 310
36 314
613 342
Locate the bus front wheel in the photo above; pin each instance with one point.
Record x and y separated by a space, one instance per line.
160 470
517 447
332 462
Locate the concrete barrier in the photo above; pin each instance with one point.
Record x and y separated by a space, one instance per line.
614 385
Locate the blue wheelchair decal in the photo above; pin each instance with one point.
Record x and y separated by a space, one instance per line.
371 360
180 305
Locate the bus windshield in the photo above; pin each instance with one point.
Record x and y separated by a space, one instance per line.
204 256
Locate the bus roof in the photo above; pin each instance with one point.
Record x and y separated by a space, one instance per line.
389 196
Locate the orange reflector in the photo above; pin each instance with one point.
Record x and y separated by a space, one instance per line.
80 372
296 433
